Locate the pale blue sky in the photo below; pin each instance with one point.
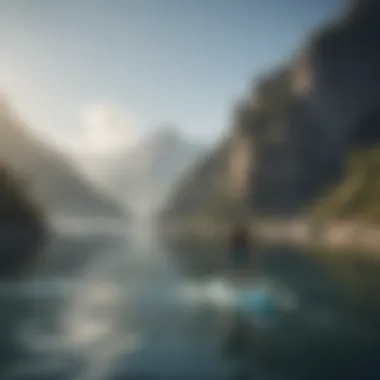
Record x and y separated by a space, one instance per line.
178 61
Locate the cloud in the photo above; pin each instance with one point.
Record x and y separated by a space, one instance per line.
106 128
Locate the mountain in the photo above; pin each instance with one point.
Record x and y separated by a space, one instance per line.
293 134
53 181
143 175
22 227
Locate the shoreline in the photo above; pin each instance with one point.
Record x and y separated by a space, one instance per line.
339 235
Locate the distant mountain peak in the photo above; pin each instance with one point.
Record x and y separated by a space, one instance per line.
144 175
166 135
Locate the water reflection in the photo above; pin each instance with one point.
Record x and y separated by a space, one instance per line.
148 312
336 331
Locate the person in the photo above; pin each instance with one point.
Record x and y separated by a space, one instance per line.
239 247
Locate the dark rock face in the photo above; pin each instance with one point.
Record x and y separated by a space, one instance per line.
337 109
22 230
345 63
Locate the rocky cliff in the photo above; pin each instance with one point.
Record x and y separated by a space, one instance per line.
292 134
205 179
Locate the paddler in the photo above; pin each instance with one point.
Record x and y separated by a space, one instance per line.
239 247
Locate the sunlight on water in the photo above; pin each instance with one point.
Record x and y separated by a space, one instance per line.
92 312
123 306
131 314
215 292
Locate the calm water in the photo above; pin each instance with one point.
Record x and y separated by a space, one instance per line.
102 307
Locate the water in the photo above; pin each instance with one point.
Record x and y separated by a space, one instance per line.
104 307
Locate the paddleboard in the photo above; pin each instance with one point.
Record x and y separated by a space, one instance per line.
260 296
261 301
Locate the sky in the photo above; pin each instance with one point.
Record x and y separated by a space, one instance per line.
99 74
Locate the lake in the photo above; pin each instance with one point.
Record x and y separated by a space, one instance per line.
102 306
